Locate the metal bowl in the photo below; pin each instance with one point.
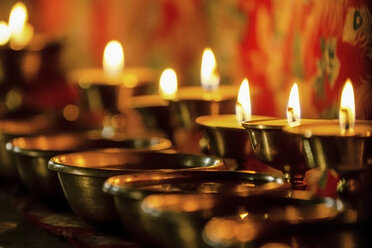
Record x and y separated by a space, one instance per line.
193 101
83 174
155 113
225 137
199 221
19 124
33 153
130 190
100 92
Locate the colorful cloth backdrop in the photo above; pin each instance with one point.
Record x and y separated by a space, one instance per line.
318 44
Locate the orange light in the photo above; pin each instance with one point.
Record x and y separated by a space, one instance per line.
113 58
243 109
347 108
4 33
210 78
21 31
168 84
293 107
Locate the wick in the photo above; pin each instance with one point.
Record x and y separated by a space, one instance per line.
345 112
291 112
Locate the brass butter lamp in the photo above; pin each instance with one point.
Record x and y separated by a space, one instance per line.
223 135
104 92
344 146
154 108
274 147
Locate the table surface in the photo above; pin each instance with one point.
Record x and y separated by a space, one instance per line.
16 230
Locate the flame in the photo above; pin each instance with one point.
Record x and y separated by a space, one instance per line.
293 107
21 31
347 108
4 33
243 215
168 84
243 109
113 58
210 78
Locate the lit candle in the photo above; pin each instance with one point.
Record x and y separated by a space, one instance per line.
276 148
113 72
21 31
346 125
153 108
168 84
208 99
4 33
210 90
225 135
106 89
339 144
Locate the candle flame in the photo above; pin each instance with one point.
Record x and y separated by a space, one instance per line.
168 84
243 215
243 109
21 31
4 33
210 78
293 107
347 108
113 58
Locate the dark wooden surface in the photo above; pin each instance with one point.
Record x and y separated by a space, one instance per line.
16 230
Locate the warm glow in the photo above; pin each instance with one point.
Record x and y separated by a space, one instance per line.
210 78
347 108
293 108
4 33
21 31
168 84
243 215
113 58
243 107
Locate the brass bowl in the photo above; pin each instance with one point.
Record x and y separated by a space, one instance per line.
155 113
102 93
226 138
33 153
327 148
130 190
19 124
83 174
192 102
278 149
199 221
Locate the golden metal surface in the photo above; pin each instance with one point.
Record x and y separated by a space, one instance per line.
225 138
192 195
33 153
185 111
274 147
19 124
82 176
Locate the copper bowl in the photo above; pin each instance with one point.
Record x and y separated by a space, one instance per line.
130 190
33 153
83 174
19 124
199 221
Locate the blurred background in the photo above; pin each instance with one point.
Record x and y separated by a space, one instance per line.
318 44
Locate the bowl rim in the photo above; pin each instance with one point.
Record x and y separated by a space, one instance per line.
54 165
308 135
114 185
162 144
